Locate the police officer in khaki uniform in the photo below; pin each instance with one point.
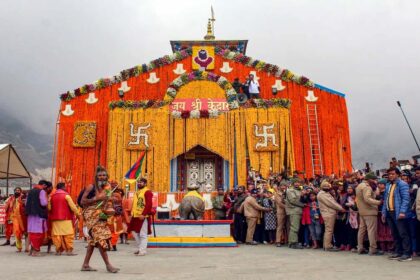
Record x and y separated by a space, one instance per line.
279 198
328 207
294 212
368 215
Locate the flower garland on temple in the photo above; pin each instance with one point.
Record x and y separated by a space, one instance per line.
231 95
284 74
142 104
126 74
196 114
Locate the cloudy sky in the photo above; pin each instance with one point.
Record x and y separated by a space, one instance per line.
368 50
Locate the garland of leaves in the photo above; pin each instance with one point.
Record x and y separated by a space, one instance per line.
231 95
142 104
126 74
250 103
259 65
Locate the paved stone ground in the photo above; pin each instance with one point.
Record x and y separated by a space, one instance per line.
244 262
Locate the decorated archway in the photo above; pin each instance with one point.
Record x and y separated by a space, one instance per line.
182 80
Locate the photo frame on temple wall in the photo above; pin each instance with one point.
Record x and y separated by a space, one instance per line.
265 137
138 136
84 134
203 58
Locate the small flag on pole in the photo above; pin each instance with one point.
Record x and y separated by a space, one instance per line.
135 170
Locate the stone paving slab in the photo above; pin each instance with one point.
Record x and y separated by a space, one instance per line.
244 262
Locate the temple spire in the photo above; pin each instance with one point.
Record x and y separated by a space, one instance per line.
210 27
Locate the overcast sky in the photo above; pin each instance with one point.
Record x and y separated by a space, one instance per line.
368 50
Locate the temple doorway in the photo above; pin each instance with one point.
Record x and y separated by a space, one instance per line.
201 167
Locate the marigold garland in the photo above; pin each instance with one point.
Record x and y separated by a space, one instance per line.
231 95
284 74
126 74
251 103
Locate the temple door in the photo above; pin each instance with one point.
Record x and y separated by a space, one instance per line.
202 172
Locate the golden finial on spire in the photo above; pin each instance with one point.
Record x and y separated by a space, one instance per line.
210 27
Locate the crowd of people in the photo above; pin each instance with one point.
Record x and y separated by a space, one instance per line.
359 212
47 216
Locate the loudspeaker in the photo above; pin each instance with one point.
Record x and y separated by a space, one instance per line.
242 98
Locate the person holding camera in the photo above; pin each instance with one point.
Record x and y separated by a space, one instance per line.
253 87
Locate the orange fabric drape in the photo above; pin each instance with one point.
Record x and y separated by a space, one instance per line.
77 165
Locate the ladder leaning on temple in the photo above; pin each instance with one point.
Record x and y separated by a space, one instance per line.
315 144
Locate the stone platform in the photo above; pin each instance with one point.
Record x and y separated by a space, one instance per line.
192 234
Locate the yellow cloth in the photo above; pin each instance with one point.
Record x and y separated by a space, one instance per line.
196 194
391 198
138 202
71 204
64 227
63 242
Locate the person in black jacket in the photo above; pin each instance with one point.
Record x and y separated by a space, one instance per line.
37 212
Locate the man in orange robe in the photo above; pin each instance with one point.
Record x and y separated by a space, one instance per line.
16 209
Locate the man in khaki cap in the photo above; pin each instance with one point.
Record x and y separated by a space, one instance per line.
280 211
251 210
294 208
368 213
328 207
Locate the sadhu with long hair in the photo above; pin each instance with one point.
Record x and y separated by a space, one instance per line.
97 208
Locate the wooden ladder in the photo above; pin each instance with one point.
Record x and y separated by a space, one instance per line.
315 144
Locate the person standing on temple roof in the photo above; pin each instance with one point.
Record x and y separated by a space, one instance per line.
36 209
61 208
245 88
218 202
237 85
253 87
142 211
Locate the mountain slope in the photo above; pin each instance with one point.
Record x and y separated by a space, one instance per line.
34 149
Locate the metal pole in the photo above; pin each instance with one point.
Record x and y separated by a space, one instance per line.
7 174
412 133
